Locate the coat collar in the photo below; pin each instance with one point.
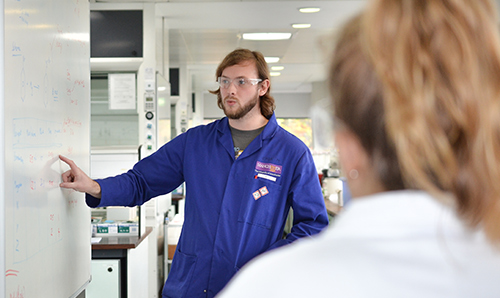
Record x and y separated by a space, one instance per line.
268 132
227 140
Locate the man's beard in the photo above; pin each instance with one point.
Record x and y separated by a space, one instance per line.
241 111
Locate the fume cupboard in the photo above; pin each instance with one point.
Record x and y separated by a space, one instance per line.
116 147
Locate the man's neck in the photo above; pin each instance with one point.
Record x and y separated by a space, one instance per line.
248 123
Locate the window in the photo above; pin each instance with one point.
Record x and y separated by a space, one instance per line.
300 127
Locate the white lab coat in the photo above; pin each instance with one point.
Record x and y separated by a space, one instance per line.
395 244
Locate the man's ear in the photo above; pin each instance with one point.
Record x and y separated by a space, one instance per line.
264 86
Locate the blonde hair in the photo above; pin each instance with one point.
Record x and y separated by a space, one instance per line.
430 73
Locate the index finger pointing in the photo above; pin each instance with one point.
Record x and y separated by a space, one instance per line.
68 161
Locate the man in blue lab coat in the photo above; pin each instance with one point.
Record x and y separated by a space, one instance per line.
242 174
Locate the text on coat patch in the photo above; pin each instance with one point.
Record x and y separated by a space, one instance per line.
268 168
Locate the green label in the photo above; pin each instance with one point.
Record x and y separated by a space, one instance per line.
123 229
102 229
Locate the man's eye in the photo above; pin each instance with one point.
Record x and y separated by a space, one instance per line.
242 82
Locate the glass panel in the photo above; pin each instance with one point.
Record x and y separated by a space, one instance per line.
110 127
164 110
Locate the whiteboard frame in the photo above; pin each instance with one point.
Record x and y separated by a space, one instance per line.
2 153
81 289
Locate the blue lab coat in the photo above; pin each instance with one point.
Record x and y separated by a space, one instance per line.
235 208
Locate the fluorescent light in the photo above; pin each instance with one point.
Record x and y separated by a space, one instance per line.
272 59
309 9
162 88
301 26
277 68
275 74
266 36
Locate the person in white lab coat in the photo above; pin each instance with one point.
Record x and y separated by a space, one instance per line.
416 98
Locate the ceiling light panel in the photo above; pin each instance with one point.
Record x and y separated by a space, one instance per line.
272 59
301 26
266 36
309 9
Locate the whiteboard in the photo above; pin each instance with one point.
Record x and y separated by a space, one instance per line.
46 112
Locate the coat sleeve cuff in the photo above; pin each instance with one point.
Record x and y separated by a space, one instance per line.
91 201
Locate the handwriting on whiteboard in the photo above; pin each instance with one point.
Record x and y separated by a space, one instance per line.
29 132
19 293
11 272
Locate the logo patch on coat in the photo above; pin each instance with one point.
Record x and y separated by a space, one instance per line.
268 168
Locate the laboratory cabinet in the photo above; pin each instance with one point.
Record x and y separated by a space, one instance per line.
129 254
105 281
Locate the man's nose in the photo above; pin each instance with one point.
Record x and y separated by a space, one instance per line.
232 88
